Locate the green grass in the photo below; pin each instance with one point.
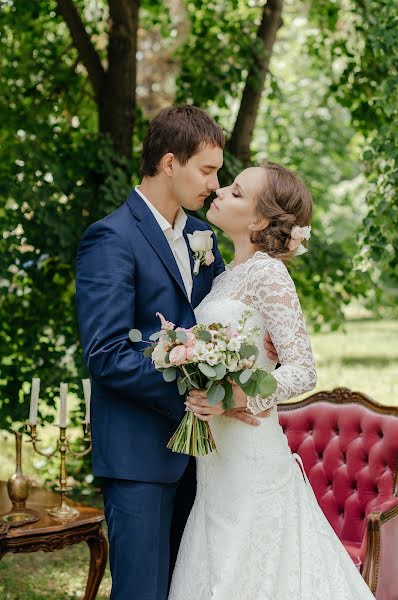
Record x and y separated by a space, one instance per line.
57 575
364 358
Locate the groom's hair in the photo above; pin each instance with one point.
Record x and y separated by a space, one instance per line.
182 130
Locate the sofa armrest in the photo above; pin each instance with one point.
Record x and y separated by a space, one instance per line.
381 562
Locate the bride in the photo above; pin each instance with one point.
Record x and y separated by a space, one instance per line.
256 531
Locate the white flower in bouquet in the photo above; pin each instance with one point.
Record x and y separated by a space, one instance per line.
159 357
232 363
234 344
213 357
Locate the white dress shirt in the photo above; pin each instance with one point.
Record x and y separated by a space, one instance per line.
175 237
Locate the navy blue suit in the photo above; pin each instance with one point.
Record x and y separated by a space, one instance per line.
126 273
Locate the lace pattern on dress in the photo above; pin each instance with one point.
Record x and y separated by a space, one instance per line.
264 284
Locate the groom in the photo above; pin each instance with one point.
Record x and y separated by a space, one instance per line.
132 264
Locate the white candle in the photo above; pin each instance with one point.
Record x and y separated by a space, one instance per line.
34 400
63 407
87 397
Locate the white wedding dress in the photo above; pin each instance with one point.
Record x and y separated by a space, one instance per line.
255 531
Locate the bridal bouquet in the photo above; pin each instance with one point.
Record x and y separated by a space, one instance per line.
210 357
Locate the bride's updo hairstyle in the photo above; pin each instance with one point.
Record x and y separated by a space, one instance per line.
285 202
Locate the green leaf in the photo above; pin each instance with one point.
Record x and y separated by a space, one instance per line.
170 374
207 370
155 336
148 351
135 335
221 371
216 394
172 335
235 376
182 386
181 336
252 385
245 376
228 401
205 336
267 384
246 351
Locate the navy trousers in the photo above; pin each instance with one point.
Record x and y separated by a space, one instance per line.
145 525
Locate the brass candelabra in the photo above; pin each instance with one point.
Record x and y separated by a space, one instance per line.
63 510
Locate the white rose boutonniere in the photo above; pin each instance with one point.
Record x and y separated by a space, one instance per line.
201 243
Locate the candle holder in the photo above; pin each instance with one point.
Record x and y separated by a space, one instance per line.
18 487
63 511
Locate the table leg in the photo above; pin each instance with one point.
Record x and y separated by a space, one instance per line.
98 545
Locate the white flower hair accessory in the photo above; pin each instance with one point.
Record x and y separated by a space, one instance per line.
201 243
298 234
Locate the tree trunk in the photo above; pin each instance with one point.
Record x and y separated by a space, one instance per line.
114 88
118 96
240 142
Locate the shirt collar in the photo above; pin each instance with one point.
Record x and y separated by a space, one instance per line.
170 232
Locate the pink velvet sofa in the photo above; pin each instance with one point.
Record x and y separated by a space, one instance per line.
349 447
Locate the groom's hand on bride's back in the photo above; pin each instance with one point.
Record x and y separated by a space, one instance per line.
241 412
270 348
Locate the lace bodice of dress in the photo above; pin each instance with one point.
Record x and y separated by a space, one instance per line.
264 285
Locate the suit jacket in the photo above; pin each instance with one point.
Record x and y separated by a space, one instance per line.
126 272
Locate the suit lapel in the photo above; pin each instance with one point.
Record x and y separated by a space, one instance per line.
187 230
155 237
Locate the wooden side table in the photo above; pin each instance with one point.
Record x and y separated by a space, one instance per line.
48 534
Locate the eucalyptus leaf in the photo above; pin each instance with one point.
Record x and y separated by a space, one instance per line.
216 394
251 387
170 374
221 371
135 335
247 351
235 376
182 386
228 401
155 336
181 336
172 335
148 351
245 375
207 370
267 385
205 336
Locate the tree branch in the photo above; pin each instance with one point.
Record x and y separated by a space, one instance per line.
87 53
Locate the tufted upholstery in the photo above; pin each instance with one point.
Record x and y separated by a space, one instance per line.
349 447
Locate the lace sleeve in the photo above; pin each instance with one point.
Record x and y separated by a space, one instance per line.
273 294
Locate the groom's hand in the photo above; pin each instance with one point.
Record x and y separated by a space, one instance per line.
198 403
241 412
270 348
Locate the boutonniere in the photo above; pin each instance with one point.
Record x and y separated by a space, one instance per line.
201 243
